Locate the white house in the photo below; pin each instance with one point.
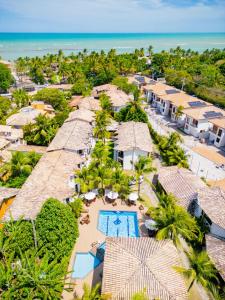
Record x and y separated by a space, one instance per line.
217 132
210 204
13 135
197 120
133 140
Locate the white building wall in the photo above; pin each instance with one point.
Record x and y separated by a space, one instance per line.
130 158
202 129
219 141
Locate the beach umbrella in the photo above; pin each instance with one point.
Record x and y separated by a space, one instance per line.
112 195
150 224
133 197
90 196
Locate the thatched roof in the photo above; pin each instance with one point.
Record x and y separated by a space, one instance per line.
90 103
81 114
180 182
104 88
216 251
132 136
212 202
26 116
50 178
28 148
73 135
75 101
7 193
134 264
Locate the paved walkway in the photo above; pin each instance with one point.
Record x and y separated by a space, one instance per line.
199 164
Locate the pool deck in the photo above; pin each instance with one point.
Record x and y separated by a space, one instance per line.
89 234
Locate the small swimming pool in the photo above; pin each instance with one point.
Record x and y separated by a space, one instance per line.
118 223
84 263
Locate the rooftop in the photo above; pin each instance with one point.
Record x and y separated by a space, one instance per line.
7 193
104 88
132 136
25 116
27 148
90 103
3 143
14 132
212 202
82 115
75 101
216 249
74 135
49 178
134 264
220 122
205 112
180 182
118 98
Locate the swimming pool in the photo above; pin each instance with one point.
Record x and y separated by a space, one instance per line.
84 263
118 223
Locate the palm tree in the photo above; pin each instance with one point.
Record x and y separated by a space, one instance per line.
102 121
84 178
174 221
21 98
120 182
201 269
143 166
179 112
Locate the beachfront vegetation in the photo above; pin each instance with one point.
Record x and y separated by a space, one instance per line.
6 78
21 98
34 256
57 229
201 270
15 172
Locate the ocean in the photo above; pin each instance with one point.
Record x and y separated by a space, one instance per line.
14 45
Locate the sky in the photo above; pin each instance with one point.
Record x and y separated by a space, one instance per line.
112 16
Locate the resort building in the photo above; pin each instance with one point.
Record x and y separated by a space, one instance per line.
7 196
216 248
197 121
118 98
27 115
132 141
182 183
217 132
167 99
62 87
89 103
75 101
53 176
133 265
74 136
82 115
211 205
13 135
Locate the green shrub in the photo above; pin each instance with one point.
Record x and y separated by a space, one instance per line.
57 228
76 207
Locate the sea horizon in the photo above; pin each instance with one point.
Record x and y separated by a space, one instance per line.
21 44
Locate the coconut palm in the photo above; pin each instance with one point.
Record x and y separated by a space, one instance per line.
173 222
201 269
120 182
92 293
143 166
21 98
84 178
102 121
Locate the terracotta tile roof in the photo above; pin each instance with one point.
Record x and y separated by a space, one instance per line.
49 178
134 264
90 103
180 182
212 202
133 135
216 251
82 115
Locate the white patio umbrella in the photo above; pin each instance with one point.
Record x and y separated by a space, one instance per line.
90 196
133 197
112 195
150 224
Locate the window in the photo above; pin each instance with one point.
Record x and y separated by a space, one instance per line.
217 140
195 123
220 132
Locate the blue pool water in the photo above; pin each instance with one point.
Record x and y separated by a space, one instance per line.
84 263
118 223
